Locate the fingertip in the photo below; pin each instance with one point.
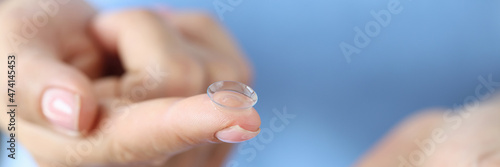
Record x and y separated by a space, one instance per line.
236 134
68 111
66 99
89 112
218 118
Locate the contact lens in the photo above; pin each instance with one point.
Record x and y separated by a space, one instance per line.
232 94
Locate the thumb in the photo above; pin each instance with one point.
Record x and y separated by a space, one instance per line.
54 94
167 126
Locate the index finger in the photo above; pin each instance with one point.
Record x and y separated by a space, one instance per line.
149 130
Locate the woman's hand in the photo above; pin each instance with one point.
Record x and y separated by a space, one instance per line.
92 87
467 137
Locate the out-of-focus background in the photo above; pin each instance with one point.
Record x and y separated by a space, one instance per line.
431 53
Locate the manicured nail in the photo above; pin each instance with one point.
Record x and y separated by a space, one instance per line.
62 109
235 134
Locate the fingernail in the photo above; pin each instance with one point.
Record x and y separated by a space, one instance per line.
235 134
62 109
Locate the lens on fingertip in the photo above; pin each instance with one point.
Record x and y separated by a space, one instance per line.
232 95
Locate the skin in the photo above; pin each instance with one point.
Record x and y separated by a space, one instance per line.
102 57
468 137
171 125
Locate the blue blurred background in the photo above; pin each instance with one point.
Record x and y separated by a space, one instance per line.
430 54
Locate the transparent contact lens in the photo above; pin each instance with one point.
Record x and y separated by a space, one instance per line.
232 94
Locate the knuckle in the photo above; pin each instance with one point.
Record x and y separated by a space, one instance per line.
121 153
187 76
139 14
242 72
196 76
224 71
183 140
202 19
229 70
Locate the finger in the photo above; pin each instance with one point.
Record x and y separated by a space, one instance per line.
219 154
212 155
107 87
150 130
227 61
202 153
151 52
175 125
65 32
84 55
400 142
54 94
